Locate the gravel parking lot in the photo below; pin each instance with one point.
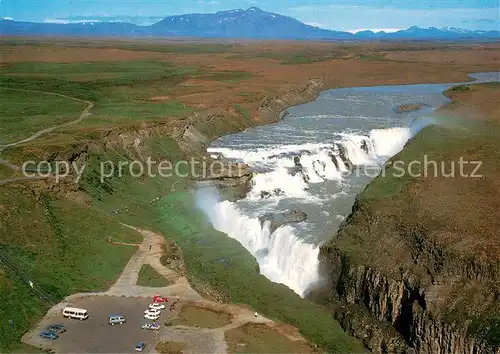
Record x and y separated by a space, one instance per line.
95 335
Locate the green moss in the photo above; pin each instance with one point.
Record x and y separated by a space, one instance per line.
428 145
461 88
121 91
487 328
148 276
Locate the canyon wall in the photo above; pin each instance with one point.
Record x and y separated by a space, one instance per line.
416 265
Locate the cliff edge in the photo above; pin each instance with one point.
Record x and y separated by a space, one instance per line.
421 250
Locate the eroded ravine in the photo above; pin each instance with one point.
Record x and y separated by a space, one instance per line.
315 161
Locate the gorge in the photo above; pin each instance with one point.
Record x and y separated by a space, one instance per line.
316 160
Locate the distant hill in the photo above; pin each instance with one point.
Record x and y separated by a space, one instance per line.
252 23
432 33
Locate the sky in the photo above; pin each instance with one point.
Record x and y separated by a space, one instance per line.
347 15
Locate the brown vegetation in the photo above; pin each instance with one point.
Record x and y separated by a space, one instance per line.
259 338
170 347
196 316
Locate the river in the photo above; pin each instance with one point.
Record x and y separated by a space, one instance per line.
299 163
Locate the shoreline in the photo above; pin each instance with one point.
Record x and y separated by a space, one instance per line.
314 88
222 193
324 87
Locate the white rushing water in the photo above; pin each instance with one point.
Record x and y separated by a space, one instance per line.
316 161
283 256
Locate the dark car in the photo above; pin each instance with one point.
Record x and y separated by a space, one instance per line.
140 346
49 335
57 328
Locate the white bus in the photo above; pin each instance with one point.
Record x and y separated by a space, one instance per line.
72 312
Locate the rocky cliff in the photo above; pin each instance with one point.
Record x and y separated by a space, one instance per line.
421 254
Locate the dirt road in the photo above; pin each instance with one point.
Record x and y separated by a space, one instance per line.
125 292
84 114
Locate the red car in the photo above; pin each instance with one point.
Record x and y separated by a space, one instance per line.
158 298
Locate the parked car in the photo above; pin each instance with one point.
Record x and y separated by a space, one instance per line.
140 346
158 298
151 326
49 335
157 306
57 328
116 319
151 316
155 311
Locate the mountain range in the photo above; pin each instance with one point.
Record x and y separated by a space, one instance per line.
252 23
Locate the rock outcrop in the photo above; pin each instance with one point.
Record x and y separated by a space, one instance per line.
233 179
400 301
409 107
343 156
278 219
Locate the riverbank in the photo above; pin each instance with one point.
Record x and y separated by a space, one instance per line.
421 253
240 87
314 161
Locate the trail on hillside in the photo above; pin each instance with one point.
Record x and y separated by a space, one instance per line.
179 291
84 114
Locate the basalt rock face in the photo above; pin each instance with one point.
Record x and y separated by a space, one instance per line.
427 294
376 335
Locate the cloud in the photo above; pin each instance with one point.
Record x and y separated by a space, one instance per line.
208 2
486 20
8 18
138 20
65 22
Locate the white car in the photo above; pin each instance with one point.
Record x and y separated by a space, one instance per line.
151 326
151 316
155 311
157 306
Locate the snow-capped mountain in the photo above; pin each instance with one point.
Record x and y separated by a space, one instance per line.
252 23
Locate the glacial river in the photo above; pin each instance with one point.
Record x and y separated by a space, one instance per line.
300 164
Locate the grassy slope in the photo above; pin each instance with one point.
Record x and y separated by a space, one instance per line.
148 276
211 257
59 245
24 113
252 338
204 248
458 215
232 271
62 246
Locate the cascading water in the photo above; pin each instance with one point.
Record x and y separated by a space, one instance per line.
283 256
314 161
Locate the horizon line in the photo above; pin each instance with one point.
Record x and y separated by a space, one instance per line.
114 19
